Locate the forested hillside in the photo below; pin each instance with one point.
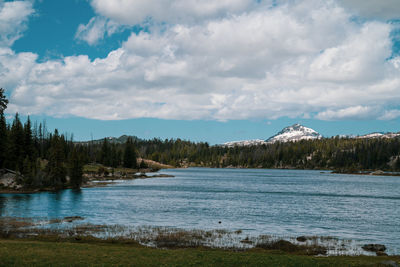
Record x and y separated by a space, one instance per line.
342 154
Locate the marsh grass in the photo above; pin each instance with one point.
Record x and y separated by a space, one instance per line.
74 229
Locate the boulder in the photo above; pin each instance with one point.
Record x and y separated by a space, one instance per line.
9 179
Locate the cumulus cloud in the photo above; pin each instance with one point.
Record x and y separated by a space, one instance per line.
113 15
384 9
13 18
13 21
296 59
131 12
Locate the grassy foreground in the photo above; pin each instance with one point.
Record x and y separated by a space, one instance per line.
46 253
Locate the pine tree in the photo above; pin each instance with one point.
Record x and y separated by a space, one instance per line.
3 128
55 168
3 101
16 145
75 168
130 154
3 140
105 155
115 157
143 165
28 140
27 171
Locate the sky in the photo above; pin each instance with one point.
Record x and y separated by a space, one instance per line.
213 71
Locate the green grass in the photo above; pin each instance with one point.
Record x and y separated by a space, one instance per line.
46 253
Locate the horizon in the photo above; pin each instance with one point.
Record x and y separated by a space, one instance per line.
149 136
200 72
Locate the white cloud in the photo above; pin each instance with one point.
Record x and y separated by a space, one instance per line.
114 15
93 31
13 18
14 68
13 21
294 59
356 112
375 9
390 114
96 29
131 12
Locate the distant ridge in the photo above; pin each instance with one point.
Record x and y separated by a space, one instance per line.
378 135
112 140
245 143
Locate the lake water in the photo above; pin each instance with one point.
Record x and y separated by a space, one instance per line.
278 202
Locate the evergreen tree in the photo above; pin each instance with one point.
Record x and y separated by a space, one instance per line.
3 101
75 168
3 128
130 154
56 170
105 156
16 145
28 140
143 165
115 157
3 140
27 171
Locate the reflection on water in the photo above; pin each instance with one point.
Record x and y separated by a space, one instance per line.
278 202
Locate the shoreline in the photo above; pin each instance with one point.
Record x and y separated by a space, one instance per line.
360 172
92 182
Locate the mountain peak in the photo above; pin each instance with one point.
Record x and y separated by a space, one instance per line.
294 133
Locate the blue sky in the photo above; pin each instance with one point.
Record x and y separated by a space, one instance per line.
202 70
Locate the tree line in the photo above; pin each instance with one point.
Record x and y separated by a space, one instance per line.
336 153
53 160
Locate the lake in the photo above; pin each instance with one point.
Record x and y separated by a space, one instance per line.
257 201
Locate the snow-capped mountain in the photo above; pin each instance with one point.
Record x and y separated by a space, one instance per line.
379 135
294 133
